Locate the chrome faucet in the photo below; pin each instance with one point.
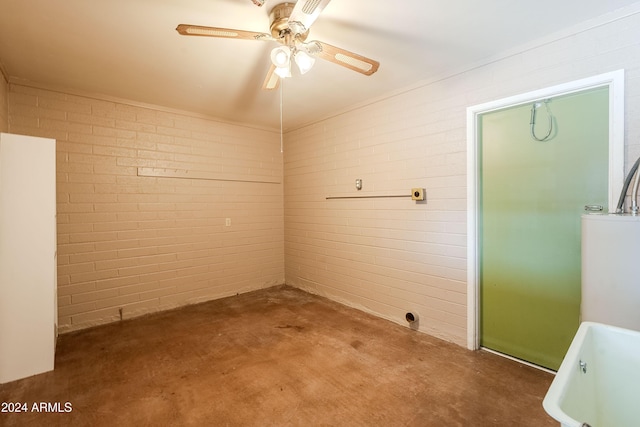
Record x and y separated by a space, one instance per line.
634 192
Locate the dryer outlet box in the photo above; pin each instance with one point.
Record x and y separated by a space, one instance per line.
417 194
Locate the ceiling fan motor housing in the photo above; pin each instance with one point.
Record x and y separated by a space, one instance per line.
279 18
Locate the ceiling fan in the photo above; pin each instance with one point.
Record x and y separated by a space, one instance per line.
289 25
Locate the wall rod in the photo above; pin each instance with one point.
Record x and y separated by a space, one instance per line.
187 174
367 197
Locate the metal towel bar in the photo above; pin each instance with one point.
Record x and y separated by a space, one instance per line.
368 197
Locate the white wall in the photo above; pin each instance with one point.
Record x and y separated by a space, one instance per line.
132 242
389 256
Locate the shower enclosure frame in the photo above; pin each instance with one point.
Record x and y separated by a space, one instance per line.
615 82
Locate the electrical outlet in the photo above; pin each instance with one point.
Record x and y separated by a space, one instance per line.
227 222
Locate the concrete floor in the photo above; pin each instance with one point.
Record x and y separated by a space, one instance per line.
275 357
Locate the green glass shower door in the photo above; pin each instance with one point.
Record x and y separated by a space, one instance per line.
532 195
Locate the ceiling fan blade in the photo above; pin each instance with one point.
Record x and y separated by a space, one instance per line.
258 2
271 81
227 33
304 13
351 60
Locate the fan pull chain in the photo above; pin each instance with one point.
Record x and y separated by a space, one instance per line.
281 136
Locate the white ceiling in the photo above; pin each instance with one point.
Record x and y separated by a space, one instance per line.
129 49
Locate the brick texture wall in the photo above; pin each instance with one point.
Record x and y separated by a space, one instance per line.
390 256
131 244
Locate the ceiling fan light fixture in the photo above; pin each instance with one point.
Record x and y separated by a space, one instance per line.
289 24
280 56
312 48
304 61
283 72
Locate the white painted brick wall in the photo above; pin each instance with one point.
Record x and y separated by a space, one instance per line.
390 256
140 243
